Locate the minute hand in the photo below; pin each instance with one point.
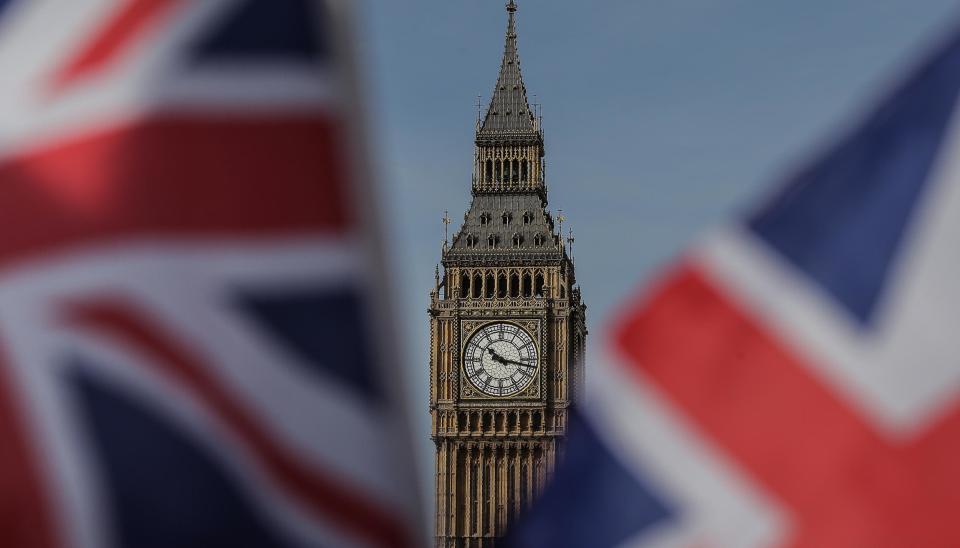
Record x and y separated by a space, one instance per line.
521 364
505 361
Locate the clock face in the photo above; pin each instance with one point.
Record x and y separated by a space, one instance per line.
500 359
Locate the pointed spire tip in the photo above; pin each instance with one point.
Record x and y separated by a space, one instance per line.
509 110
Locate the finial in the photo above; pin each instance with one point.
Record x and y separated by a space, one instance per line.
570 241
560 220
511 24
446 225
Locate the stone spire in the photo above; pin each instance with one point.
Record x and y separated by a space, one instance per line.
509 115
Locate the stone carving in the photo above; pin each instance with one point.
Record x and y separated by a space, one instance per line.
520 275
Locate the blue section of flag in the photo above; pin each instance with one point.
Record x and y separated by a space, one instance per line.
162 490
842 220
325 329
267 29
593 501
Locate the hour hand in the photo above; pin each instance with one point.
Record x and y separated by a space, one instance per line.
497 357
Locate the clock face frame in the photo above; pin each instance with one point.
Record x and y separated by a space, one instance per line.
501 359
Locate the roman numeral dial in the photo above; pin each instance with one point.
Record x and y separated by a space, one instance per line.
501 359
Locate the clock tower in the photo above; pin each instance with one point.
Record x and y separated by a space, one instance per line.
507 329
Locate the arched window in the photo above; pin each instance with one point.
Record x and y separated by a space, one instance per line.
517 240
464 285
514 285
525 171
516 171
477 285
484 219
471 240
501 285
527 218
492 241
488 172
488 289
538 285
499 172
526 285
563 292
538 240
506 218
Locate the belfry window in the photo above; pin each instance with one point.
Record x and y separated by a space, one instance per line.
499 171
506 218
488 171
515 171
477 285
484 219
538 240
538 285
501 285
471 240
527 218
525 171
517 240
492 241
488 286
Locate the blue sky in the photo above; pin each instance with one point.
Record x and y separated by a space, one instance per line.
662 118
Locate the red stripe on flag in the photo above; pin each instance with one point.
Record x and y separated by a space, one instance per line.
177 178
323 494
26 519
809 447
126 25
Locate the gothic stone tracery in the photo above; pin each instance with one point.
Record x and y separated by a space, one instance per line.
507 264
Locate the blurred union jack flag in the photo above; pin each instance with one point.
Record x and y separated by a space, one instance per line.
795 380
187 353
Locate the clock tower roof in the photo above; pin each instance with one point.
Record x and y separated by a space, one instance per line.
508 116
507 225
508 219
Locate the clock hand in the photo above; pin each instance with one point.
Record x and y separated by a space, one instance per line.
500 359
497 357
521 364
